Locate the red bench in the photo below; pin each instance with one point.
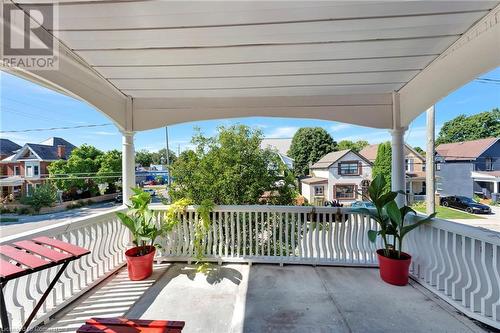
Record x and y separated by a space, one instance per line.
125 325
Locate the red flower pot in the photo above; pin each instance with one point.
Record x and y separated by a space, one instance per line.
140 267
394 271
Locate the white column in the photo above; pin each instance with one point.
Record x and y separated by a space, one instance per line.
398 164
128 165
495 187
430 177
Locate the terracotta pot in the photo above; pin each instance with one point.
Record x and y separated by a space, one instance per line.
394 271
140 267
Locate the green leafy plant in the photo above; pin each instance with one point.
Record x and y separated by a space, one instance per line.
202 226
389 217
139 219
43 196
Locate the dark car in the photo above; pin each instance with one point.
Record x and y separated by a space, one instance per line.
465 203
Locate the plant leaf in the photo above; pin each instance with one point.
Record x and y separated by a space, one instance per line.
372 235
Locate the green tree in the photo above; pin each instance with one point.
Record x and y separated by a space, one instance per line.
465 128
353 145
383 164
78 172
161 156
110 169
230 169
309 144
144 158
420 151
44 195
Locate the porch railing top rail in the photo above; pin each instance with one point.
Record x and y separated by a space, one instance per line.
61 227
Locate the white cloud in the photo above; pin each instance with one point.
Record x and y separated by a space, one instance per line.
372 136
282 132
339 127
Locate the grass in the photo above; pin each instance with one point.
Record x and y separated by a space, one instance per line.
448 213
8 219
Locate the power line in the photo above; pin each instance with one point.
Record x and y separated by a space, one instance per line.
55 128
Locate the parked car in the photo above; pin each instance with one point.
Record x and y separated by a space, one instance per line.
362 204
465 203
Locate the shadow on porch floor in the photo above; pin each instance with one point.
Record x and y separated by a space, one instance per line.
268 298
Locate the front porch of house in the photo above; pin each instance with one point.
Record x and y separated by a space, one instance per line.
306 268
268 298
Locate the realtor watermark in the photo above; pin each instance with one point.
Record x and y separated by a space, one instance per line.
28 40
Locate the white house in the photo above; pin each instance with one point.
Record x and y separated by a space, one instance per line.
342 175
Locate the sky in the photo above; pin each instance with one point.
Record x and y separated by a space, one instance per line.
25 105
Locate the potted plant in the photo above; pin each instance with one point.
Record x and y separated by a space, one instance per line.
139 220
394 263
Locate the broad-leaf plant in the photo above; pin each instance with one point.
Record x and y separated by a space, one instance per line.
390 218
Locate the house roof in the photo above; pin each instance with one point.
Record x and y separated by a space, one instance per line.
8 147
282 145
465 150
370 152
314 180
47 150
489 173
333 157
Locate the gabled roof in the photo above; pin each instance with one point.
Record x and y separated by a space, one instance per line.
47 150
8 147
334 156
370 152
465 150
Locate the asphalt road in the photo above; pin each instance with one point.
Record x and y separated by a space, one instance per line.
28 222
487 221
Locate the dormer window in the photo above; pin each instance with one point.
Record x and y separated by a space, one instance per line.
489 164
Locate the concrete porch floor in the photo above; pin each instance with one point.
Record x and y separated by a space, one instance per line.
268 298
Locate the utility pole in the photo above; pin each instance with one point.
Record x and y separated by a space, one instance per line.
168 155
430 179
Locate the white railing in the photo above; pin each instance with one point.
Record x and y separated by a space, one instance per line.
103 234
274 234
461 264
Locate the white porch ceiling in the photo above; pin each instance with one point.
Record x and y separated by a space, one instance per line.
194 60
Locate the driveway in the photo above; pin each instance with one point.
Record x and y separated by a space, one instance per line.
27 222
487 221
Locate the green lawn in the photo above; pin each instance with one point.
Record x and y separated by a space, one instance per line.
8 219
449 213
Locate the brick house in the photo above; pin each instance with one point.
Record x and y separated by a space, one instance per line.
26 167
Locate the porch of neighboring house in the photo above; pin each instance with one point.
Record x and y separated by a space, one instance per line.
486 184
374 64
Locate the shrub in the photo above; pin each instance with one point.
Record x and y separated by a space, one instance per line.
44 195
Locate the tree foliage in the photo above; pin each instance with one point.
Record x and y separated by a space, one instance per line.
230 168
352 145
85 168
309 144
44 195
465 128
420 151
145 158
383 164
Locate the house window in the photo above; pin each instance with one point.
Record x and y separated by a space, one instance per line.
35 170
349 168
17 171
344 192
489 164
438 166
319 191
409 164
29 171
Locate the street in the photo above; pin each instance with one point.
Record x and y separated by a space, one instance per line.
27 222
487 221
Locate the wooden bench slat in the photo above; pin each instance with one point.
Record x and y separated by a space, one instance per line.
135 322
43 251
70 248
23 257
7 269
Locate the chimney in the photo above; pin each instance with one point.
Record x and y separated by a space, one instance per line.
61 151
